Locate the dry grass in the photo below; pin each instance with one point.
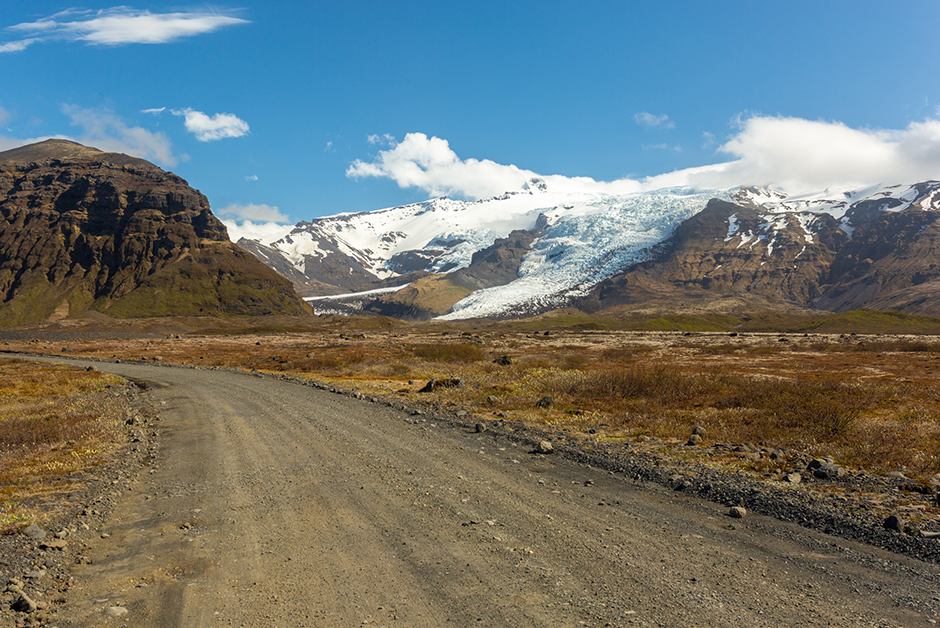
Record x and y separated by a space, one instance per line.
54 420
870 401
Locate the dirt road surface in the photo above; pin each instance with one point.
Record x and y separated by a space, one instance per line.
273 504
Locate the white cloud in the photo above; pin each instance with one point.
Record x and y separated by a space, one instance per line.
252 221
792 154
4 115
649 120
251 177
17 46
385 139
796 154
328 148
430 164
119 26
209 128
106 131
156 111
266 213
251 230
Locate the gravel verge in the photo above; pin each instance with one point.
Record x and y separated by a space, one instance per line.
35 565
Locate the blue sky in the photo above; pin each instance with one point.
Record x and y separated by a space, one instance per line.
282 111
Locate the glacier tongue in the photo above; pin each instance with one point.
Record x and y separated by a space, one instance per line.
585 244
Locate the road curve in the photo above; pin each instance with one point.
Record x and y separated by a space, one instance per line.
279 505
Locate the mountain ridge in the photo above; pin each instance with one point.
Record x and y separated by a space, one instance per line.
786 251
81 229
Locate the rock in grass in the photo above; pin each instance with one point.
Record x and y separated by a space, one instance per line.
829 471
545 402
694 439
503 360
479 428
699 431
545 447
793 478
815 463
444 382
737 512
115 611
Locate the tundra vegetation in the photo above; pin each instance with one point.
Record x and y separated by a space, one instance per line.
848 386
54 421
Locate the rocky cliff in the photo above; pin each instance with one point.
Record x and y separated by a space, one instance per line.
82 229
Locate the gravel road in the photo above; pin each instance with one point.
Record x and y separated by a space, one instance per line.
274 504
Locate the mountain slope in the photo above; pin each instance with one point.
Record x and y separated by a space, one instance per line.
82 230
549 248
870 249
573 239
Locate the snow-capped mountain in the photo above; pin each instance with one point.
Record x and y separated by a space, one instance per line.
577 240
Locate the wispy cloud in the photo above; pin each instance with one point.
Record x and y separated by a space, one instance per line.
648 120
117 26
266 213
663 146
210 128
18 46
251 177
103 129
156 111
4 115
792 154
384 140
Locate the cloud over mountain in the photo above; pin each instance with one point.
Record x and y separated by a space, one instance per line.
788 153
431 165
105 130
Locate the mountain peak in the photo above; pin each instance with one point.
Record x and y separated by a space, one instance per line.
66 150
535 185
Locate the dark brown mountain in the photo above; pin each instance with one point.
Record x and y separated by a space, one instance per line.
81 229
739 253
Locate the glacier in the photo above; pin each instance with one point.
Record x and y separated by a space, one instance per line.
584 236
